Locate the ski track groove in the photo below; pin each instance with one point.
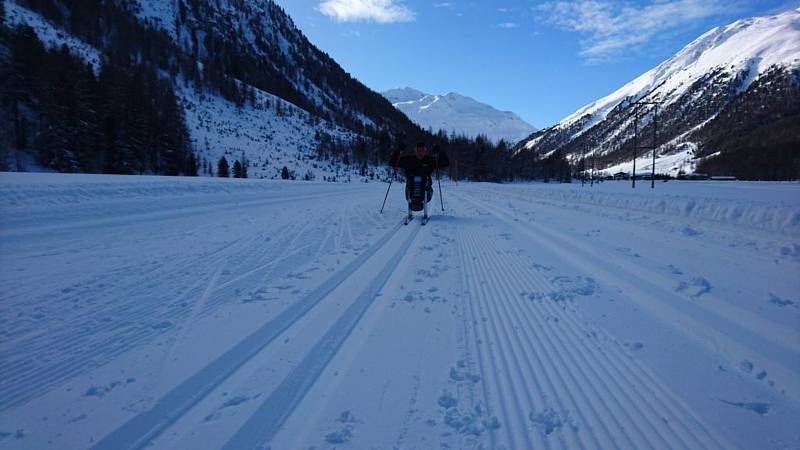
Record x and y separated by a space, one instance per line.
560 390
627 368
624 364
141 429
536 346
31 379
267 420
510 352
562 347
778 334
22 230
483 362
682 314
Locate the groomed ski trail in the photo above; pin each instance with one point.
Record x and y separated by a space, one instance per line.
141 430
261 315
548 372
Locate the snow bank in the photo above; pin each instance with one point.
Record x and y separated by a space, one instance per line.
765 206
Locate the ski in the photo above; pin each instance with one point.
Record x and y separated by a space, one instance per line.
425 219
407 220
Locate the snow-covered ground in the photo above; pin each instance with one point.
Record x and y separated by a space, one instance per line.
207 314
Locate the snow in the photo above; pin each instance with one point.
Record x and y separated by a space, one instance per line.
754 44
219 313
52 37
459 114
161 13
683 160
269 140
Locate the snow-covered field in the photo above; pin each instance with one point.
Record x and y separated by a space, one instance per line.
178 313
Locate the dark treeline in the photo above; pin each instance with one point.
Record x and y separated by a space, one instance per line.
124 120
475 159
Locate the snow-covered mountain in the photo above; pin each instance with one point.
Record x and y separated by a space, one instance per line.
460 114
750 66
250 83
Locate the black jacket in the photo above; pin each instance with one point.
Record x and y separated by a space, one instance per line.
419 167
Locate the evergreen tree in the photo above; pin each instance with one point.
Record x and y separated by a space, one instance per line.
191 165
223 170
237 169
285 173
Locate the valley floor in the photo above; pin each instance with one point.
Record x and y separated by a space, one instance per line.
176 313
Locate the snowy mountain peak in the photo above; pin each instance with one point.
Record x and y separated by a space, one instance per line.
752 45
402 95
454 112
746 72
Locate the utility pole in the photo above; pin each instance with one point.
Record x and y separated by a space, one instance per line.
655 145
636 146
583 166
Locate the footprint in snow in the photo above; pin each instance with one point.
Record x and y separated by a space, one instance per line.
696 288
759 408
231 403
19 434
549 420
569 287
459 375
781 302
628 251
100 391
634 346
689 231
790 251
346 427
674 270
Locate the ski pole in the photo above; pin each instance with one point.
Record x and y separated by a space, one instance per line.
387 192
439 180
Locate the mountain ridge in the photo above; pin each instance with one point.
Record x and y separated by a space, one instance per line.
458 113
693 87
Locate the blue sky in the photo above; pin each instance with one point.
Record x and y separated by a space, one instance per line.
541 59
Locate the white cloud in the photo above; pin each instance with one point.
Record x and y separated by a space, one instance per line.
443 5
610 28
508 25
380 11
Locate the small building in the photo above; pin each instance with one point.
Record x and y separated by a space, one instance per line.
621 176
723 178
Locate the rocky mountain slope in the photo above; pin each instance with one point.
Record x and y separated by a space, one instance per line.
728 103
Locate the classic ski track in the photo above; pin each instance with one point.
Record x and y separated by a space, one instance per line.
496 391
468 337
267 420
563 344
31 380
21 230
140 430
135 313
682 314
541 369
777 333
650 400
